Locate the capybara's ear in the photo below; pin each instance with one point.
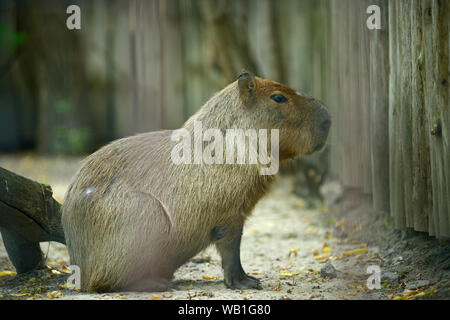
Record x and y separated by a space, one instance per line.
246 83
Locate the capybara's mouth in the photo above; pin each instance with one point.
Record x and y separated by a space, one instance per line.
318 146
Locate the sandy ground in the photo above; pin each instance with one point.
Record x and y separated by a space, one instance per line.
284 245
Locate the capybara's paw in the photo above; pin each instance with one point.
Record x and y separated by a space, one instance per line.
242 281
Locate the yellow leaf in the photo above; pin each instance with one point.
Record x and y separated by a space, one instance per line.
316 252
352 293
254 231
190 287
155 297
19 294
355 251
64 269
120 297
408 293
209 278
257 272
385 223
7 273
55 271
31 298
326 248
322 257
289 274
55 294
167 295
293 251
328 235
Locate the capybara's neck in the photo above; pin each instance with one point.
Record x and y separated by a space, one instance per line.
223 111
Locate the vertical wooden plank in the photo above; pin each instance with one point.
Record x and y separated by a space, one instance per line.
171 58
364 92
395 159
148 66
431 57
440 92
405 108
335 89
265 41
123 77
421 192
379 87
193 62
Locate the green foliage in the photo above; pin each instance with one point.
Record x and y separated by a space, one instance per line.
10 38
71 140
62 107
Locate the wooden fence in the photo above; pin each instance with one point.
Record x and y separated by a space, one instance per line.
389 95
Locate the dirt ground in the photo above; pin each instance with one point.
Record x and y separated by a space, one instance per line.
297 253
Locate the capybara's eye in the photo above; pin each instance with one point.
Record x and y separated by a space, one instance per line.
279 98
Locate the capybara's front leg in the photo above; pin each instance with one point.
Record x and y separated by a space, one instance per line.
229 248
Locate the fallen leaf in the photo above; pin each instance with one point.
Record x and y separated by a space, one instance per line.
322 257
190 287
31 298
55 294
278 288
289 274
7 273
56 271
257 272
19 294
64 269
352 293
209 278
315 252
407 292
155 297
120 297
355 251
293 252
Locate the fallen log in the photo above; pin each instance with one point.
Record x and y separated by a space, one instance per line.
28 215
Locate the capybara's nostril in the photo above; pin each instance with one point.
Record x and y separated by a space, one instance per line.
325 125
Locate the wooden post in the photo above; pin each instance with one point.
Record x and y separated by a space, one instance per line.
28 215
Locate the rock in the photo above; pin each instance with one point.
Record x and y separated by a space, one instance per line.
328 270
332 192
417 284
390 277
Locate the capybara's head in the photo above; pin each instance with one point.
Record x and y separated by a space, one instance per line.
303 121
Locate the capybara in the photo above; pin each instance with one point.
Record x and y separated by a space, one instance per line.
132 216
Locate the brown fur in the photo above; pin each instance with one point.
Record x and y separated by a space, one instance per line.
131 217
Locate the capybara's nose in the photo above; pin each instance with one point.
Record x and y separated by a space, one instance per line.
323 121
325 125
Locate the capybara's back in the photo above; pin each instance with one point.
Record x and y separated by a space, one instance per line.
132 216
